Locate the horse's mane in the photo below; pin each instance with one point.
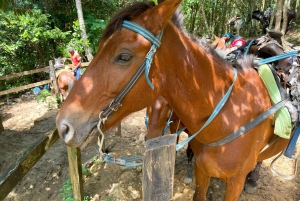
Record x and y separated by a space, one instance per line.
137 8
132 11
246 62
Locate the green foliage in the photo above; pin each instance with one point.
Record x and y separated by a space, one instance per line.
42 96
66 192
86 171
45 97
27 42
95 28
96 159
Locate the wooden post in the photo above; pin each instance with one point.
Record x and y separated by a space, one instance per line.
118 130
158 168
53 78
74 157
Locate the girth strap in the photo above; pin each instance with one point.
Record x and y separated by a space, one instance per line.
248 126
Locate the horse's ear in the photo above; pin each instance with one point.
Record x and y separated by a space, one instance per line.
216 37
163 12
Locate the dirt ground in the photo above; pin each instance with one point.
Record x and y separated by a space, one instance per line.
25 122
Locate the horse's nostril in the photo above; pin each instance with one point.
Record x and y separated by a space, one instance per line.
64 130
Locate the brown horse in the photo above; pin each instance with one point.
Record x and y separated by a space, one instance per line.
65 78
219 43
65 81
198 79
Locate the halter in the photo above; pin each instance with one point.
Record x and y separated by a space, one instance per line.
145 66
116 102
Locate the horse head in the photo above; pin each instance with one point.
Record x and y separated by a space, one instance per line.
108 73
258 15
219 43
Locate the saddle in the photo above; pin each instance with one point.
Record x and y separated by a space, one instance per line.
280 83
59 71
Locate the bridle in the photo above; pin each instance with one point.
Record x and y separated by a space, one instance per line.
144 67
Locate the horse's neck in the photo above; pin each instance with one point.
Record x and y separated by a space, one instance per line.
192 72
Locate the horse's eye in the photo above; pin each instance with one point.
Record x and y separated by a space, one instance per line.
124 58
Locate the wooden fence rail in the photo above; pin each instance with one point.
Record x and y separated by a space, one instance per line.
52 79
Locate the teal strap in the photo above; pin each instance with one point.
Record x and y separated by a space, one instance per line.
278 57
155 40
142 31
168 123
127 161
248 47
213 115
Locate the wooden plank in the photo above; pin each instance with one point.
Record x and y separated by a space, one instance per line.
84 64
158 168
24 87
5 77
74 157
15 173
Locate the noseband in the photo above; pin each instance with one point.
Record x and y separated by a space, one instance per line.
145 66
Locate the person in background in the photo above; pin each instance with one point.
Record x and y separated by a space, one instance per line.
75 58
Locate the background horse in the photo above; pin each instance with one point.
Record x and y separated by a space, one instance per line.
265 19
199 79
219 43
65 78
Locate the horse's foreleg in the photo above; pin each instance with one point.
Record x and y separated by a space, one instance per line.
189 170
252 178
202 182
234 187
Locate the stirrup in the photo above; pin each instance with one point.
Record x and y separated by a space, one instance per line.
286 177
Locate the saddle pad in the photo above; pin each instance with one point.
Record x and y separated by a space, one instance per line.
282 118
63 70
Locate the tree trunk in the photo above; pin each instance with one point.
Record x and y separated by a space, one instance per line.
201 7
278 15
1 125
297 8
272 17
285 17
87 49
194 14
